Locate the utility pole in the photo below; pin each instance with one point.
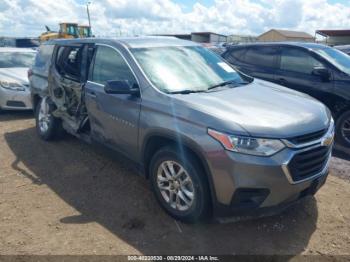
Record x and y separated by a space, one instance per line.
88 13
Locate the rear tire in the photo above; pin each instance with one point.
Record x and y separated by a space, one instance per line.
342 132
48 127
184 194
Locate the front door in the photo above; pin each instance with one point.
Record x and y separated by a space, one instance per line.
114 118
296 72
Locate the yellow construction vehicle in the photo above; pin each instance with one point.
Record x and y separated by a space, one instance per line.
84 31
67 30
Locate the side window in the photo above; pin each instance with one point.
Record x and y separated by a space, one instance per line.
110 65
261 56
68 61
236 55
295 60
43 56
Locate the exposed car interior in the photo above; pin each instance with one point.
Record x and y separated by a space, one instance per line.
68 80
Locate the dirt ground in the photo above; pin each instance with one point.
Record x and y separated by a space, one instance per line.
68 197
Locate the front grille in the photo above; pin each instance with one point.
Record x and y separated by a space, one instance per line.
308 137
309 163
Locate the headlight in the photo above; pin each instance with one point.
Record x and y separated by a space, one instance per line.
12 86
248 145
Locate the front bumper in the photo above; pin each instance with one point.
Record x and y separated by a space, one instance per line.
247 185
15 100
226 213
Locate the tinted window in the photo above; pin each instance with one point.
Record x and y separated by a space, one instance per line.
261 56
296 60
110 65
236 55
44 56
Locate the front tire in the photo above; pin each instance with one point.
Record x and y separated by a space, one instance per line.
48 127
343 129
179 185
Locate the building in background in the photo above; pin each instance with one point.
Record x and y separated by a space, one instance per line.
201 37
180 36
335 37
208 37
276 35
237 39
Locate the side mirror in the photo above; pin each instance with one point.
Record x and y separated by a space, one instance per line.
322 72
121 87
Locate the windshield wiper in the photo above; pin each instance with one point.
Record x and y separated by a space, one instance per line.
227 83
187 91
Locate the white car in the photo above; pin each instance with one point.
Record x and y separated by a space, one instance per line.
14 85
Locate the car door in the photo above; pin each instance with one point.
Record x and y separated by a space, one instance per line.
261 62
65 72
296 71
256 61
114 118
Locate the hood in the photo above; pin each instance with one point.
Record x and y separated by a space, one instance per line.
17 74
262 109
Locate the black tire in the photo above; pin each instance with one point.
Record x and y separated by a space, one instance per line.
200 208
54 130
343 121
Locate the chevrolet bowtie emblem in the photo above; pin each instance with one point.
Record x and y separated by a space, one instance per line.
327 140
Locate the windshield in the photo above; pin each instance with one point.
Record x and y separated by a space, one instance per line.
16 59
336 57
72 30
176 69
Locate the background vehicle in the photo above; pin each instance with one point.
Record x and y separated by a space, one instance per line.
14 86
84 31
320 71
67 30
167 105
344 48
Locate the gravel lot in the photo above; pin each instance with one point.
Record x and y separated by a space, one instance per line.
68 197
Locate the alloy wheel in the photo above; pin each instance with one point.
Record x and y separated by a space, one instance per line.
175 185
44 116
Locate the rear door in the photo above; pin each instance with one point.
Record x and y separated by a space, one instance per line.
66 74
295 71
114 118
257 61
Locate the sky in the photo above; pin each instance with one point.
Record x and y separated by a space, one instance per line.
140 17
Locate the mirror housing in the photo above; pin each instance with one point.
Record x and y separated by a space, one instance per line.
121 87
322 72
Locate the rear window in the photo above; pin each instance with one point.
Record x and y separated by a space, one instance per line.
261 56
44 55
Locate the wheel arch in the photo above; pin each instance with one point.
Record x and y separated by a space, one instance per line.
340 108
35 100
155 141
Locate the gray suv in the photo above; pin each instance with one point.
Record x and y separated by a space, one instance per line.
210 139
